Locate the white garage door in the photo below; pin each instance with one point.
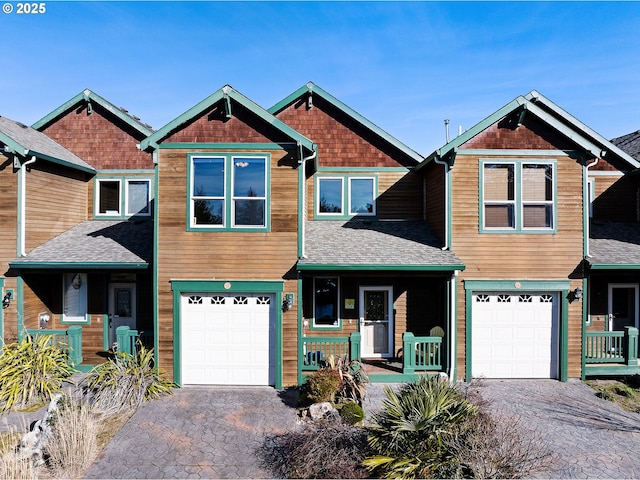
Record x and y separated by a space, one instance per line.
228 339
514 335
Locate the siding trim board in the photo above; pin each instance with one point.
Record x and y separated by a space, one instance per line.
228 146
178 287
386 268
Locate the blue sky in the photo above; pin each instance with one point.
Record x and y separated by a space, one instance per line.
406 66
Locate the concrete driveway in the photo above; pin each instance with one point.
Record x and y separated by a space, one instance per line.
215 432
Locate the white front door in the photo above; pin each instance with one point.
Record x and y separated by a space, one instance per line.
376 321
122 308
623 305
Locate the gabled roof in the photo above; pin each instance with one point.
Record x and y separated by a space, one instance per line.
25 142
226 93
629 143
95 244
541 107
375 245
89 97
312 89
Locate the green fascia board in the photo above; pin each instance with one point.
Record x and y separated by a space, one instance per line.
234 286
312 88
615 266
535 97
89 96
11 146
227 91
62 162
228 146
371 267
76 265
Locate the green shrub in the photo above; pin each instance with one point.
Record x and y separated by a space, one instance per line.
351 412
408 435
31 371
353 379
321 386
126 382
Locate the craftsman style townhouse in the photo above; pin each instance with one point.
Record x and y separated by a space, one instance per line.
247 245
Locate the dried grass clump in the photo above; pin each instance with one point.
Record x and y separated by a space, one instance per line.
12 464
73 444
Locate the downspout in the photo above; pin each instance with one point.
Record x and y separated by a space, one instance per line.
303 226
446 200
586 206
22 207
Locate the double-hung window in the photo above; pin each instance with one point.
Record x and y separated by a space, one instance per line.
518 196
228 191
112 200
325 302
341 197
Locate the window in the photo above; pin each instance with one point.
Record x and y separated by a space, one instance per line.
228 192
518 196
345 197
110 201
325 302
75 298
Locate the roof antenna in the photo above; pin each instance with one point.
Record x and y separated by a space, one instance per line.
446 129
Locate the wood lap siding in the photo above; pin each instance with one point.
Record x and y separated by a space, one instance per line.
519 256
212 255
55 202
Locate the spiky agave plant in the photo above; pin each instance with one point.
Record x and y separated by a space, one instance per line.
31 371
407 436
126 382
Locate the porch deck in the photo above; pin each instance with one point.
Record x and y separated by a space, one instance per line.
611 353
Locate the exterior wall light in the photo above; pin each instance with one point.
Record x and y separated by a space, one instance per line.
575 295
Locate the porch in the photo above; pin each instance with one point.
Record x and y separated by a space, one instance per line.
425 358
611 353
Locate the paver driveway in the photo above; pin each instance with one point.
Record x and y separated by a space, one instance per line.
589 437
214 432
197 433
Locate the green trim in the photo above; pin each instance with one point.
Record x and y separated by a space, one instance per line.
178 287
24 265
89 96
615 266
518 201
611 370
300 310
560 286
301 210
312 89
510 285
229 146
346 196
356 267
449 193
362 170
20 304
227 91
228 193
520 153
585 322
11 146
64 163
2 293
537 97
453 369
155 286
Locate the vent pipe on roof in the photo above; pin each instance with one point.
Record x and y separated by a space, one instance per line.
446 129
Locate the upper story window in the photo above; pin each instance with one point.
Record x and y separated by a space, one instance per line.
518 196
113 200
228 191
345 196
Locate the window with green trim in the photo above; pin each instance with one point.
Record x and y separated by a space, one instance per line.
345 196
228 191
518 196
325 302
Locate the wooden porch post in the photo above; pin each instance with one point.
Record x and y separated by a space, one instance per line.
631 345
408 353
74 340
354 346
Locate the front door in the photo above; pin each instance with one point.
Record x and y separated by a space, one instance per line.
122 308
376 321
623 305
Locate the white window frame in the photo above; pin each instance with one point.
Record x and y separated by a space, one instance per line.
338 320
373 196
128 181
234 198
319 197
75 284
108 213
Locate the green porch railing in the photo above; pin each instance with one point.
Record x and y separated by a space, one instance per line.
317 349
421 353
612 347
127 340
69 341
